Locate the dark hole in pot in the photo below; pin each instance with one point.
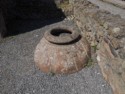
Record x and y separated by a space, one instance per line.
60 32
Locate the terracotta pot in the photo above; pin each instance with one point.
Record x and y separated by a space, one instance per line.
62 50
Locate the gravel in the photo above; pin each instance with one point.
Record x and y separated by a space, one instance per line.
19 75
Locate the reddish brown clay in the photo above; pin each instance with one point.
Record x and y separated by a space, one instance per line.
62 50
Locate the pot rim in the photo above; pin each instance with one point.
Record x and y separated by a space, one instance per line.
72 35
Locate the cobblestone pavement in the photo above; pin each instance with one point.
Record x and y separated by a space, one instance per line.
19 75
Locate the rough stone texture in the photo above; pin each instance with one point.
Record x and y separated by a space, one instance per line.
98 25
109 7
119 3
113 68
53 57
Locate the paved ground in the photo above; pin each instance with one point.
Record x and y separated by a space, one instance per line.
19 75
109 7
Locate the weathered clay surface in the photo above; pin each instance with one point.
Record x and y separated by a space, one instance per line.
64 58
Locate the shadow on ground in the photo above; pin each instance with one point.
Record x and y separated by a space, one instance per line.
30 15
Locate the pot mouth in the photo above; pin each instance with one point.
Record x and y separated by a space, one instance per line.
61 35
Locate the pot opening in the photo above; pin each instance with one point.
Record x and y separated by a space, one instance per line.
60 32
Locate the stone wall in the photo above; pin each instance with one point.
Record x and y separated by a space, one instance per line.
106 33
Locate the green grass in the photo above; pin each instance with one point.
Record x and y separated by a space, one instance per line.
52 74
95 48
90 62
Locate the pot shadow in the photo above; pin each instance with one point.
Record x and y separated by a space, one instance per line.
28 17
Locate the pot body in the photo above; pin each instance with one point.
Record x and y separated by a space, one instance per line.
62 50
66 58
